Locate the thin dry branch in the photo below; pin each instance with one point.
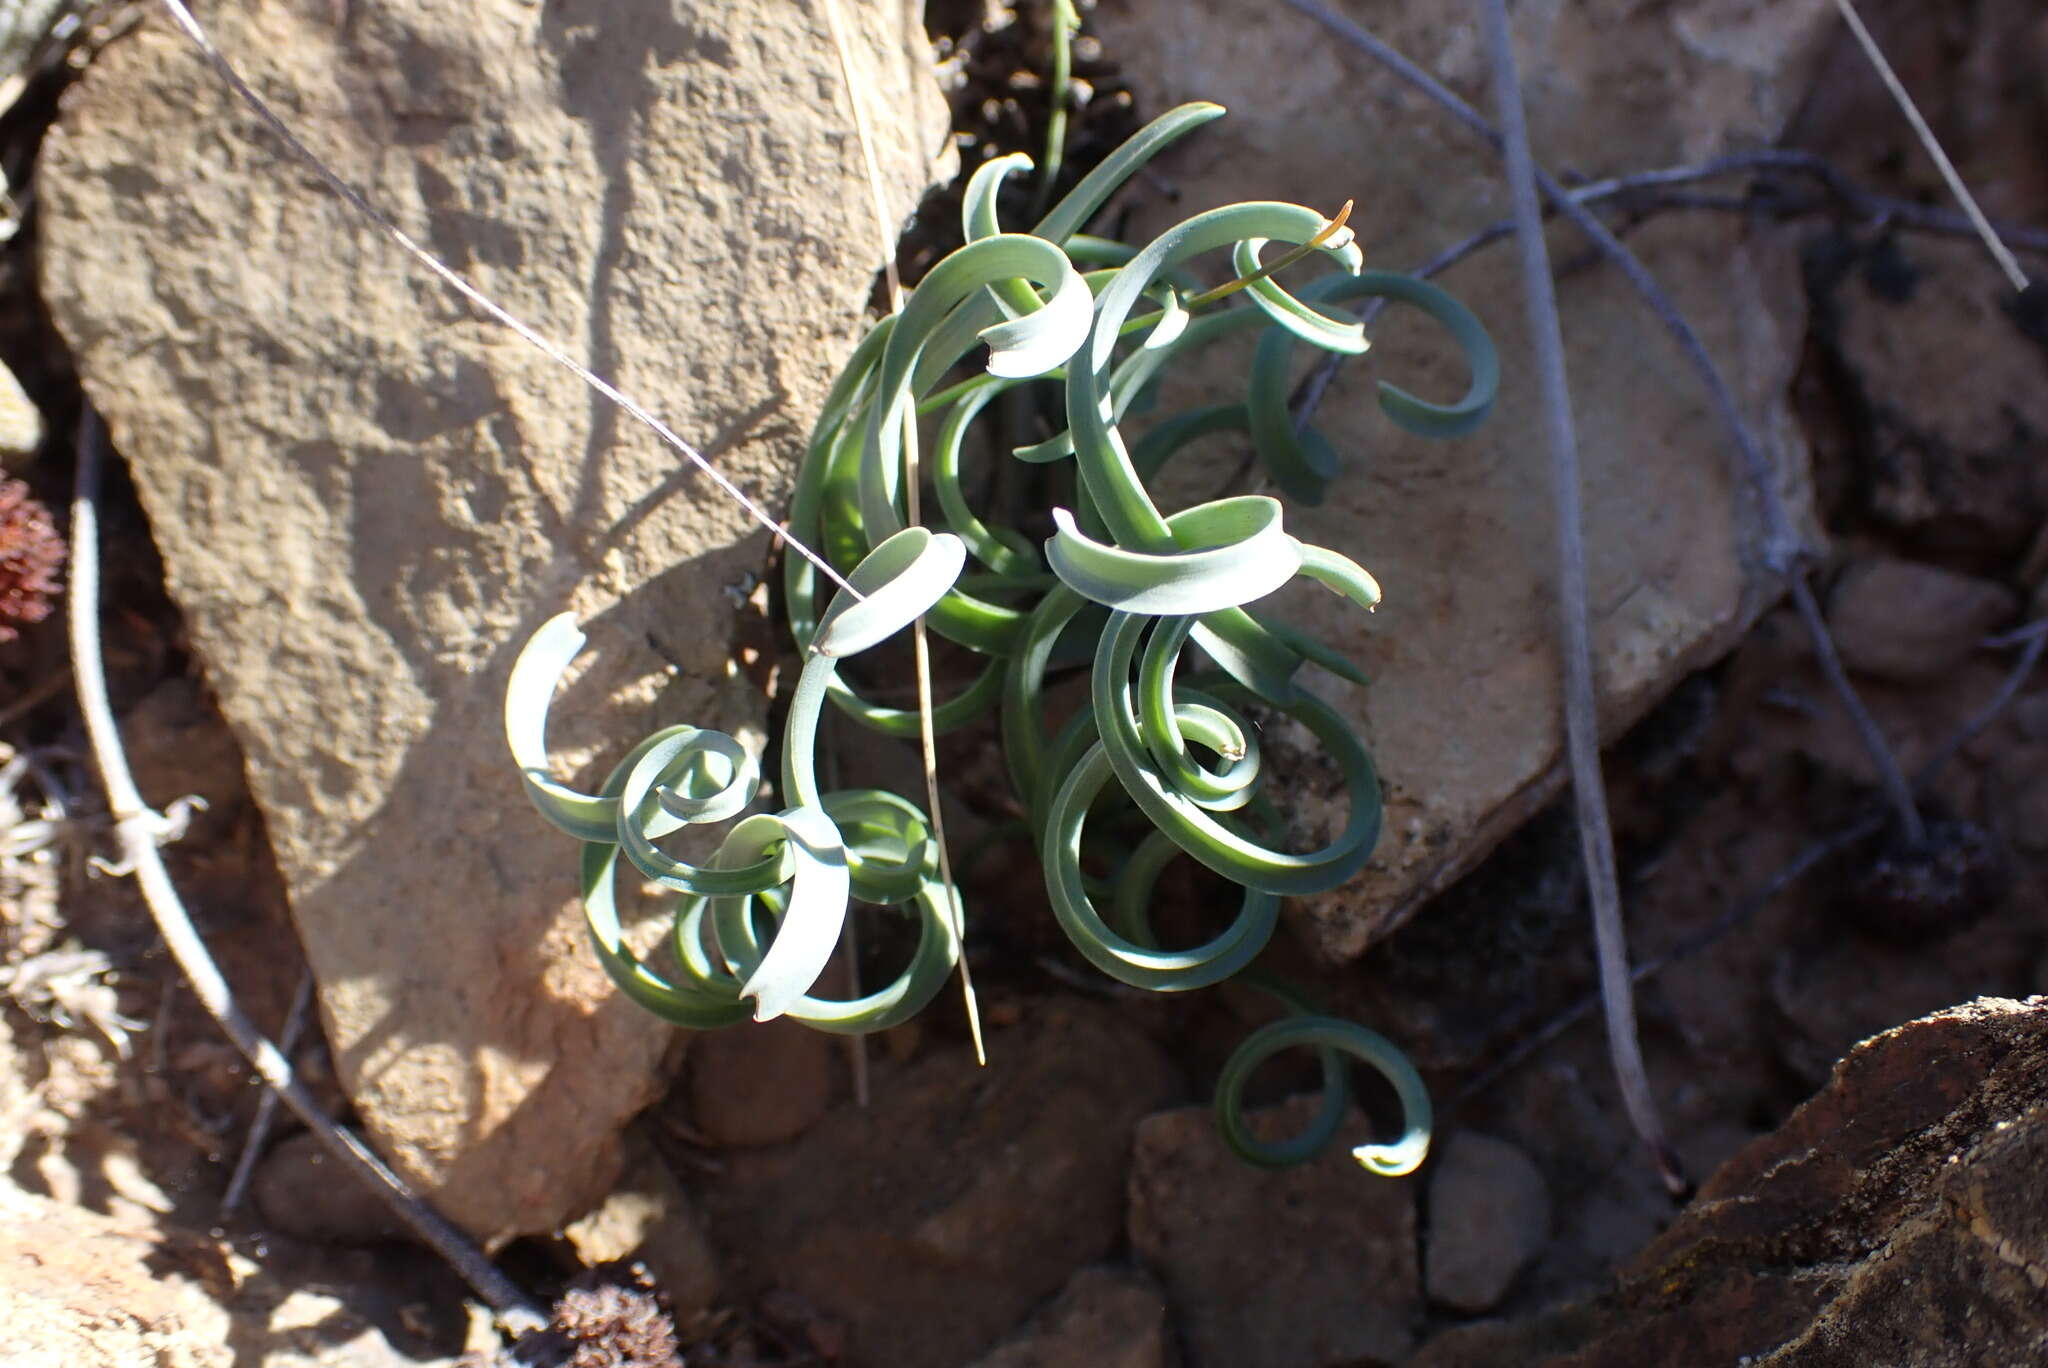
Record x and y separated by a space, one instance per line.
137 830
1662 188
920 640
266 1109
1998 250
1818 852
1582 718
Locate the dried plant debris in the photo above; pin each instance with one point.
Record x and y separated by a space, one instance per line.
70 987
30 552
610 1317
67 984
29 834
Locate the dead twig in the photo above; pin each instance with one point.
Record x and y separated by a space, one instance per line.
266 1108
1998 250
920 639
1582 720
1547 1034
1890 777
2036 644
1870 824
137 830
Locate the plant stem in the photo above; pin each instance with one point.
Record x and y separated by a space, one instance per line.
1998 250
1582 721
919 637
1064 21
136 827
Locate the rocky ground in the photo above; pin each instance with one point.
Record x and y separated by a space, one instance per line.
1070 1203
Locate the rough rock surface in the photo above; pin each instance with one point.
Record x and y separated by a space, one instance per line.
1915 337
1898 1218
1489 1214
960 1198
1902 620
1306 1267
1103 1317
367 499
78 1288
760 1085
1463 711
650 1218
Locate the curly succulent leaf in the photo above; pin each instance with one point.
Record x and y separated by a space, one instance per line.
1404 1156
1220 847
1120 586
1073 212
1303 463
1238 553
1344 335
1105 466
902 578
820 886
1119 957
679 1004
529 694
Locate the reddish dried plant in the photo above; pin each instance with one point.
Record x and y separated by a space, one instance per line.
30 552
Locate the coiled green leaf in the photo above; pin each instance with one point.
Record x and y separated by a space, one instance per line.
1303 464
1128 589
1327 1033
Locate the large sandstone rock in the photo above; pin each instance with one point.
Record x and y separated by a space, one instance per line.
366 499
1897 1218
1463 712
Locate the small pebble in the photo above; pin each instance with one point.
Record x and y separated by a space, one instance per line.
1489 1215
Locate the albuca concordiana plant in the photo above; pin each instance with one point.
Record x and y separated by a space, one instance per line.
1119 584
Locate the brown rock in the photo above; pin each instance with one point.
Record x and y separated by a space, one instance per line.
1901 620
302 1191
179 747
1103 1317
760 1084
367 499
1948 409
1463 713
1307 1267
78 1289
931 1221
1897 1218
1489 1214
650 1217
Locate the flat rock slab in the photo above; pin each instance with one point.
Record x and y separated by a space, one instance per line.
1103 1317
1463 714
366 499
1306 1267
930 1222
